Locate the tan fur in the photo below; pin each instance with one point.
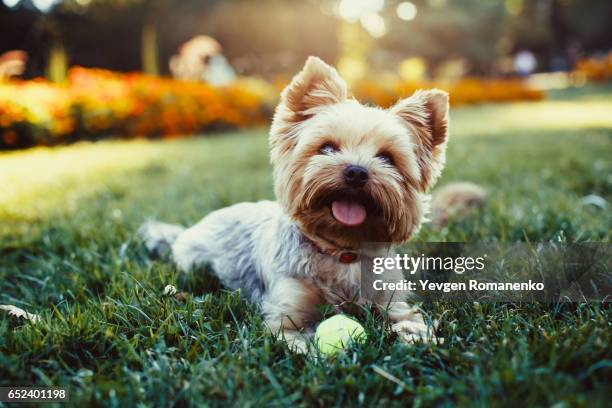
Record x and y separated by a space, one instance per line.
455 200
293 306
426 112
314 110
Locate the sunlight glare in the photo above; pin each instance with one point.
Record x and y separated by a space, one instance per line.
406 11
374 24
44 5
353 10
10 3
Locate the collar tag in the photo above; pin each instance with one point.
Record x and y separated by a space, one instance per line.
349 257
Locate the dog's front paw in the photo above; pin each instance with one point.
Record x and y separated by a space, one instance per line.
298 346
410 331
296 342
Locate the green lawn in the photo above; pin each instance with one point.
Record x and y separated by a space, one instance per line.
68 252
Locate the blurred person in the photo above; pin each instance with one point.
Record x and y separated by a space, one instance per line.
219 71
525 63
12 64
201 59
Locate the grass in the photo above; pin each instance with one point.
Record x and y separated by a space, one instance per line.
108 334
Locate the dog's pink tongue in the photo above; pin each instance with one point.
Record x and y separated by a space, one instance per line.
348 212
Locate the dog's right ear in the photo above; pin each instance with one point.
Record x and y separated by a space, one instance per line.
315 86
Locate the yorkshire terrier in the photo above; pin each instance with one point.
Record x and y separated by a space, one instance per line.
345 175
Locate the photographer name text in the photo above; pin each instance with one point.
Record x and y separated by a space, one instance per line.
447 287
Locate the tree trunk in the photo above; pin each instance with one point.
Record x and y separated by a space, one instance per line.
149 51
57 66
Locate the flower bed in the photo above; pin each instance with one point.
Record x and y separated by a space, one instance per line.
596 69
97 103
466 91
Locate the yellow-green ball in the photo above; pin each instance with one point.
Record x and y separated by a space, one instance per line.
337 332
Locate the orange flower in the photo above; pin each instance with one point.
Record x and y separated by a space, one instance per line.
98 102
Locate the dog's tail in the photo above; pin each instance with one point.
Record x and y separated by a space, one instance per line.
455 201
158 237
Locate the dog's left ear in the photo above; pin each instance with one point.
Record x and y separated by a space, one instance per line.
425 114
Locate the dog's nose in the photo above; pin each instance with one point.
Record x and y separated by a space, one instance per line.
355 176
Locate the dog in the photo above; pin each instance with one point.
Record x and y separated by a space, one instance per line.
345 175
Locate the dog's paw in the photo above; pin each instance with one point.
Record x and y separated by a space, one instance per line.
158 236
411 331
298 346
296 342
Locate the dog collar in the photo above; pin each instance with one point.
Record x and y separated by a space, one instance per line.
343 256
348 257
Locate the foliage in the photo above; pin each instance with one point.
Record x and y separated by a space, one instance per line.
276 36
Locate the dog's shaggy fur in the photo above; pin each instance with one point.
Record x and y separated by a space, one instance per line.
287 255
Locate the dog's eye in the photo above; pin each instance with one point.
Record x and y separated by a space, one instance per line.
385 158
328 148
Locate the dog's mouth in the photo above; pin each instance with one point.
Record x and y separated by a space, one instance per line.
351 208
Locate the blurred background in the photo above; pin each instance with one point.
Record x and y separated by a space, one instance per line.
88 69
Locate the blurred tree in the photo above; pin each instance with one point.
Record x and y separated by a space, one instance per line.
559 31
272 37
483 31
444 30
355 45
57 67
275 36
32 29
149 48
148 13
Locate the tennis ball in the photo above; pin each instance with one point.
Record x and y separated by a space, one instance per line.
335 333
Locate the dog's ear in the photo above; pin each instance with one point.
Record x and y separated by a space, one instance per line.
425 114
315 86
